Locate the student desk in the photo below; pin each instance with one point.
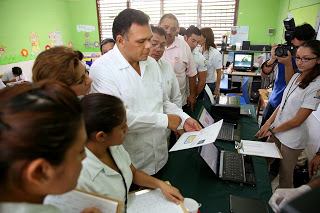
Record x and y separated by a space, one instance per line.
187 171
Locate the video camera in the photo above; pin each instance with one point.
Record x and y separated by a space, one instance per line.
282 49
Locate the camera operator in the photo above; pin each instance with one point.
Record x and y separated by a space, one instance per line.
286 67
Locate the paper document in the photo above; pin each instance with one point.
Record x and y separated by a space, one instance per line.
259 148
75 201
154 201
194 139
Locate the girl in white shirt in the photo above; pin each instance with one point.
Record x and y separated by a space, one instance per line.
287 127
42 139
108 170
214 62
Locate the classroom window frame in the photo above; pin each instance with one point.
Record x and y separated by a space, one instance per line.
202 17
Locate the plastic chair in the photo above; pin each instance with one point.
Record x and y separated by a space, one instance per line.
244 99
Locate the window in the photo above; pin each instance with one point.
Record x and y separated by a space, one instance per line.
220 15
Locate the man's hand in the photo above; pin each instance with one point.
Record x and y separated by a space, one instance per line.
313 165
286 60
216 92
191 101
173 122
191 125
178 133
91 210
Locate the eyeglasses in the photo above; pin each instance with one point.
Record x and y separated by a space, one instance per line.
161 46
304 59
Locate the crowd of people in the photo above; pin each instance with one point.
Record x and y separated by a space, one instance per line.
117 117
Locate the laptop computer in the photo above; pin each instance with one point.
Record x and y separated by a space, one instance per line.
230 166
228 132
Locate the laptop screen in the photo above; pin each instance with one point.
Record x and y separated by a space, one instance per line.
210 155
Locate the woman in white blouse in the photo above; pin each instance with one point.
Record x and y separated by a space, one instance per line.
42 139
108 170
214 62
287 127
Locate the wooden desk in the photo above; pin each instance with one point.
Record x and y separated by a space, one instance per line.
263 100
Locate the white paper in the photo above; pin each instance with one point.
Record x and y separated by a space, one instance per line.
152 201
75 201
258 148
208 91
194 139
205 118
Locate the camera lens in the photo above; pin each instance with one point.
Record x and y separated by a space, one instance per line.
279 51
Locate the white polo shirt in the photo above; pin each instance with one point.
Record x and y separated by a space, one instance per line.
15 207
296 138
170 82
179 55
99 178
146 104
199 60
8 76
214 62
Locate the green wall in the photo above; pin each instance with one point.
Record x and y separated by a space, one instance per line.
21 17
259 15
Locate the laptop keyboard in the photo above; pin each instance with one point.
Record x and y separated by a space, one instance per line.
226 132
233 166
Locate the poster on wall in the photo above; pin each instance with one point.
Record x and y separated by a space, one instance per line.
239 34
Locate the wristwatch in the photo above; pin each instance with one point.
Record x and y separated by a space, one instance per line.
271 130
217 89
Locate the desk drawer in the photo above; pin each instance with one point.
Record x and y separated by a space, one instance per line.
239 78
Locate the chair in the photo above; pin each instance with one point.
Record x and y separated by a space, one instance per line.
244 99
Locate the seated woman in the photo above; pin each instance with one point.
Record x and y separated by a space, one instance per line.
42 139
108 170
63 64
287 127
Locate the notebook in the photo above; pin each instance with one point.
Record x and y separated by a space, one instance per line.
230 166
228 132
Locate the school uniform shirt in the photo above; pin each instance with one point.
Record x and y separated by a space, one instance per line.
214 62
8 76
12 207
99 178
170 82
296 98
146 105
179 55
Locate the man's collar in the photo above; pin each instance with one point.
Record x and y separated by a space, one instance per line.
122 61
174 44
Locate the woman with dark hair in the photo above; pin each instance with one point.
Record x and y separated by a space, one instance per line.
63 64
287 127
42 139
214 62
108 170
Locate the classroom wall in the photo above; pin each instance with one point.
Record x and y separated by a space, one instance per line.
22 18
302 11
259 16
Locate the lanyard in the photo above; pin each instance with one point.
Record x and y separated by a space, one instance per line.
290 92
